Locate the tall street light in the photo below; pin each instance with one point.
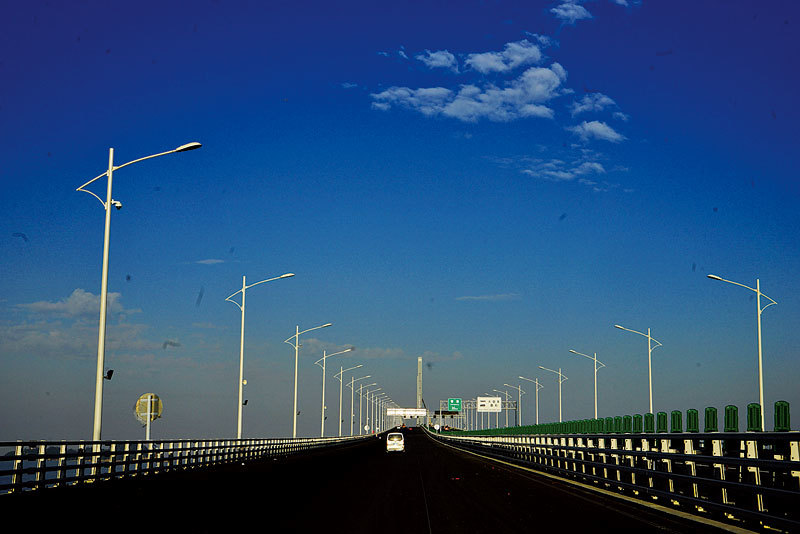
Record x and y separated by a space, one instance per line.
650 348
538 387
368 408
242 382
296 346
340 376
506 407
596 363
352 387
561 378
759 310
325 356
101 336
520 393
360 399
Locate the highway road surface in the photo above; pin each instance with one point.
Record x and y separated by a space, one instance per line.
430 488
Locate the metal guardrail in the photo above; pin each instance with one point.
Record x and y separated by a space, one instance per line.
748 479
36 465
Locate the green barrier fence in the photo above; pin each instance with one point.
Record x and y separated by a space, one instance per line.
652 423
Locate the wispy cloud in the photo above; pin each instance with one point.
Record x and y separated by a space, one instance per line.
592 102
514 54
523 97
492 298
80 303
621 116
570 12
210 261
596 130
441 59
348 85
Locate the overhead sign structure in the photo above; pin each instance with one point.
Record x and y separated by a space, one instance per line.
490 404
407 413
454 405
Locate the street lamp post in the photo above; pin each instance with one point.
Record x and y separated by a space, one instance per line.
759 310
361 387
340 377
506 407
596 363
101 336
325 356
561 378
243 291
650 348
353 380
538 387
368 408
296 346
520 393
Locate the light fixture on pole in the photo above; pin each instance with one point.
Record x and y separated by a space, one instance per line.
505 409
296 346
352 387
650 348
538 387
561 378
520 393
596 363
325 356
101 336
368 408
759 310
340 376
242 381
360 399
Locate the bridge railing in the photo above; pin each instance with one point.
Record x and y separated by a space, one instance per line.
36 465
747 478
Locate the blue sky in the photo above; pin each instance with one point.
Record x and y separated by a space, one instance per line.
485 185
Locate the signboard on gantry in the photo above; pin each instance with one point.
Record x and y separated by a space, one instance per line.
490 404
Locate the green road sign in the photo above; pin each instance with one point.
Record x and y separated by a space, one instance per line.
454 405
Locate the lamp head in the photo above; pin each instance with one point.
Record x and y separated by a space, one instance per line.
714 277
326 325
573 351
618 326
188 146
287 275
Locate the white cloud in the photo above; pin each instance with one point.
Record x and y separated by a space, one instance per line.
556 170
348 85
384 54
80 303
596 130
522 98
439 59
570 12
621 116
491 298
513 55
592 102
210 261
543 40
621 2
402 54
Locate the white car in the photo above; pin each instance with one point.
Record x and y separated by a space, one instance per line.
395 442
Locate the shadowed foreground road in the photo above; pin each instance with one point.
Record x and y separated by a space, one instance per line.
359 488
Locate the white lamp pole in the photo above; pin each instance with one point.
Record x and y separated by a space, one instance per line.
101 336
242 381
759 310
296 346
360 398
325 356
538 387
340 376
371 408
520 393
650 348
561 378
596 363
352 400
506 407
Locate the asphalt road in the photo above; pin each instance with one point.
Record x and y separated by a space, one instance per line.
359 488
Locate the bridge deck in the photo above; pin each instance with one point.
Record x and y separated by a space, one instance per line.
358 488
